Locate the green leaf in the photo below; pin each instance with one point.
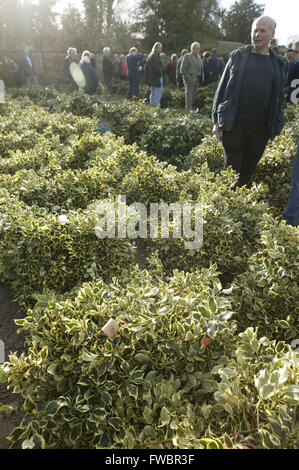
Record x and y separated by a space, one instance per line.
212 328
106 397
133 391
28 444
54 406
116 423
141 357
164 416
150 431
76 431
266 391
292 392
147 414
212 305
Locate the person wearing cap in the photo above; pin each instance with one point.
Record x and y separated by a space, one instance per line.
248 103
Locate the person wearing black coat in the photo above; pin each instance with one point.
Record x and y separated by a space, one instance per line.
134 66
90 74
206 68
154 74
108 68
249 101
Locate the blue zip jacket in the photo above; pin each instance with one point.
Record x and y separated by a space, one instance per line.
226 97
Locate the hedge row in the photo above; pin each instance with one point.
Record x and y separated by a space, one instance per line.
203 356
175 376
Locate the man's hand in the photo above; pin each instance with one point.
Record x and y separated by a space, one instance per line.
217 132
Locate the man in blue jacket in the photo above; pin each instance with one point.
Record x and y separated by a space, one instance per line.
214 65
248 104
134 65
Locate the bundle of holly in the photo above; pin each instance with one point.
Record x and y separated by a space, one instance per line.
171 373
266 294
166 134
209 151
175 98
127 119
78 103
226 229
172 137
24 128
39 250
274 170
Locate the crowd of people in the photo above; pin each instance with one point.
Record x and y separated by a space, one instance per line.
136 68
16 75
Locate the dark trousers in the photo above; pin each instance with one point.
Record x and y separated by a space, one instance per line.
134 81
244 145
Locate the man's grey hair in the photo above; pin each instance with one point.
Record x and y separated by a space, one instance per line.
194 44
273 22
106 49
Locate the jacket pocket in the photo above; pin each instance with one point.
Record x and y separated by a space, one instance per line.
222 112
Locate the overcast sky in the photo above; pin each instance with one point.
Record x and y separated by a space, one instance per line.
285 12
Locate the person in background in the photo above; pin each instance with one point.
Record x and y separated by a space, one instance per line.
222 66
179 77
193 74
90 74
291 56
116 67
142 71
215 65
206 68
124 68
171 70
27 69
133 60
108 68
71 57
164 65
248 104
154 74
93 60
13 76
291 212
